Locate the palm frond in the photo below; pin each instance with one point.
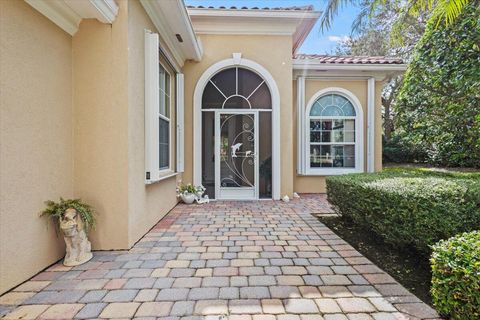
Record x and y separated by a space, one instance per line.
361 20
330 11
443 11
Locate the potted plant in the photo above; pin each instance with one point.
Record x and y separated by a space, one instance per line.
74 219
189 193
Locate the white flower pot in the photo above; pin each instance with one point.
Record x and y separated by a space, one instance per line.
188 198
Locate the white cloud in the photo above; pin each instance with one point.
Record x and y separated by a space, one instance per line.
338 38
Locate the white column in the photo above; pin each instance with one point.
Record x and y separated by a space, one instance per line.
180 122
301 126
371 125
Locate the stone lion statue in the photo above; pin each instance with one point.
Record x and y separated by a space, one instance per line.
78 247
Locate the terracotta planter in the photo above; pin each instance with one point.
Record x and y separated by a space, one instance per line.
188 198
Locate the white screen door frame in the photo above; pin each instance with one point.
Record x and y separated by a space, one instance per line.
236 193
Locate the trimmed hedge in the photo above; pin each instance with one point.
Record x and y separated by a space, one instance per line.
456 276
409 207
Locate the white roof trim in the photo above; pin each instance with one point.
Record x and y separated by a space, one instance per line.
67 14
305 64
106 10
259 13
171 18
312 69
254 22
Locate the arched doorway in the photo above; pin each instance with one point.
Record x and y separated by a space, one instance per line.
235 151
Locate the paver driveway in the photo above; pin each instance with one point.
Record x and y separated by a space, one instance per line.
257 260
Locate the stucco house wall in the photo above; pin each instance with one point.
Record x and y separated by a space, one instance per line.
100 75
146 203
36 132
110 129
278 62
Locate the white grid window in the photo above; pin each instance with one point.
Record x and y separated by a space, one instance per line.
331 133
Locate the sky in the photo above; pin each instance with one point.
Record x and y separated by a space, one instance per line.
316 42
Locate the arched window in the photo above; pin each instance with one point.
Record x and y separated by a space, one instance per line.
334 134
236 88
244 93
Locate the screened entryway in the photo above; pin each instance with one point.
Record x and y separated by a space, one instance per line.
237 136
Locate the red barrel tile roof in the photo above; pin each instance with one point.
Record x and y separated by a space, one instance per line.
294 8
321 58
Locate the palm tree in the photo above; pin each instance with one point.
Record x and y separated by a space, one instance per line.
441 10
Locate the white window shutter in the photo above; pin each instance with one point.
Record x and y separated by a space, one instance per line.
151 106
180 122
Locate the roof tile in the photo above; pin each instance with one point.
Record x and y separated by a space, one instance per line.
293 8
321 58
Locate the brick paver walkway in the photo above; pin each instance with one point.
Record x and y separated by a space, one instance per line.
261 260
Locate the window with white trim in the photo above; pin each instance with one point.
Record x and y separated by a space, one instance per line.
164 119
163 106
332 133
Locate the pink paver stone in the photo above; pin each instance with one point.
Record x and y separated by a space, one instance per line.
250 260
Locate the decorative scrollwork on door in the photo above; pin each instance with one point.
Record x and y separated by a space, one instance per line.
237 150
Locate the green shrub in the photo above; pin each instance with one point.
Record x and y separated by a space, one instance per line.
456 276
409 207
438 107
399 150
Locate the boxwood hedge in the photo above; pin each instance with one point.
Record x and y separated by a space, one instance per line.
456 276
409 207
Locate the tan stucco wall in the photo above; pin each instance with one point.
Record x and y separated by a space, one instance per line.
100 75
36 138
110 131
147 204
272 52
313 184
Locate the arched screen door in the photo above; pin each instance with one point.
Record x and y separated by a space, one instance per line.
235 103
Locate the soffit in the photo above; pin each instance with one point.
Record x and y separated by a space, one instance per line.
267 21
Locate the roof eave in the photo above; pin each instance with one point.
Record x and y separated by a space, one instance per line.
296 23
254 13
303 30
68 14
303 64
169 25
330 71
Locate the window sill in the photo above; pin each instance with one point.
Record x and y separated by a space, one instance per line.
163 176
328 172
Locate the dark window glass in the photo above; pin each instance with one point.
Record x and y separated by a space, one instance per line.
261 98
164 137
265 154
236 102
248 81
212 98
236 88
226 81
208 153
